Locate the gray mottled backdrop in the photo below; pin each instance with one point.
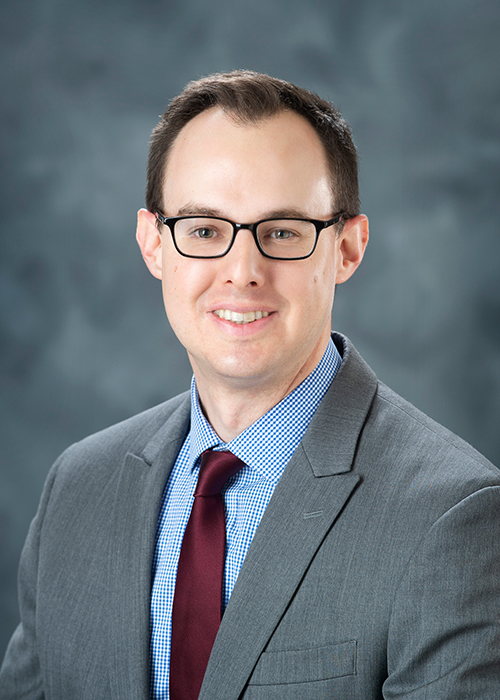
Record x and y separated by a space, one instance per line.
84 341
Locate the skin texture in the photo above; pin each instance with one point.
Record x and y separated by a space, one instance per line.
276 167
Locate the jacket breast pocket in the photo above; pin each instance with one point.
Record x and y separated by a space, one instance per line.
305 665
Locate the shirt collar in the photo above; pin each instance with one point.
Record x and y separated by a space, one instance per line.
278 431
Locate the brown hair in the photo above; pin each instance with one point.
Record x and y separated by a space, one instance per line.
249 97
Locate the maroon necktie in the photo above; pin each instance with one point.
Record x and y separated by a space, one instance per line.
197 608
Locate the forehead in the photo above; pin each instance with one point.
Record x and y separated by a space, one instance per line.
277 161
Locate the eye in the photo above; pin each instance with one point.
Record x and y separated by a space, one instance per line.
204 232
282 234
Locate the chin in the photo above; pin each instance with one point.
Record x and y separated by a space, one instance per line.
237 367
240 370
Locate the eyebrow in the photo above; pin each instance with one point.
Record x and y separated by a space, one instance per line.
193 209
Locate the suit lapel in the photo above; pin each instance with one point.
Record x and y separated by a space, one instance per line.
133 528
309 497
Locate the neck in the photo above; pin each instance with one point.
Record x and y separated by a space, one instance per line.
231 405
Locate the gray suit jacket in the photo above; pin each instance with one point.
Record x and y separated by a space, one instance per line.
374 573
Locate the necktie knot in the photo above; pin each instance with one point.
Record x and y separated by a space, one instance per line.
215 469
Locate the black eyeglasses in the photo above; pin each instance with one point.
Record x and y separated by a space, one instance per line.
213 237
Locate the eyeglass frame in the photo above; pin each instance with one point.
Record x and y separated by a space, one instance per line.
319 225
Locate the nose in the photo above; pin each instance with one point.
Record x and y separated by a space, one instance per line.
244 265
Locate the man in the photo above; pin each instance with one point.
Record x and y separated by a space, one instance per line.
361 557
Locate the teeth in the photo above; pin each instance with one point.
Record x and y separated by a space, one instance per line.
236 317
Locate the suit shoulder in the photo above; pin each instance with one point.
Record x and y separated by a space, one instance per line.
378 431
419 434
130 435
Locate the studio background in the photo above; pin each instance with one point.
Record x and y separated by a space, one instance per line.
84 341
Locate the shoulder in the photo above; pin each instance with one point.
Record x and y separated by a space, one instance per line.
108 447
396 433
135 432
420 433
418 482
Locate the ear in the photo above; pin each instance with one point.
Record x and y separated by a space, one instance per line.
351 247
149 239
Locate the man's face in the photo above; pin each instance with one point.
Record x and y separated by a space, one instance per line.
274 168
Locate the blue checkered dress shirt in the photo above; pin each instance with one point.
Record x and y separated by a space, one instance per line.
266 448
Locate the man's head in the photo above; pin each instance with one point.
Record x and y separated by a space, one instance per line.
250 323
249 97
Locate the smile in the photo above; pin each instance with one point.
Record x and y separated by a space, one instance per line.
235 317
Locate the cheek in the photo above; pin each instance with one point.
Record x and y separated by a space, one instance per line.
322 268
185 281
321 292
312 298
322 280
173 293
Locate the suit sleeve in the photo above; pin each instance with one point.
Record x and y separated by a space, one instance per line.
444 633
20 674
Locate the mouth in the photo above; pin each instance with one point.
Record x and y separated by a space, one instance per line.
240 318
